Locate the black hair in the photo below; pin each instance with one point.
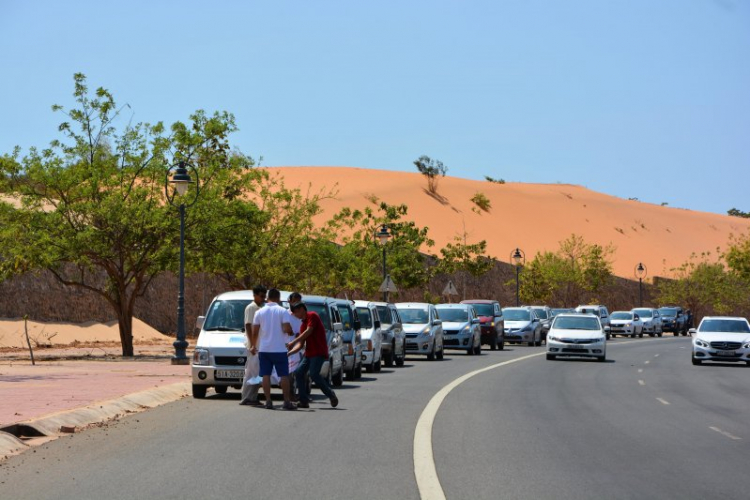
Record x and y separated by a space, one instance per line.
260 290
274 294
299 305
296 296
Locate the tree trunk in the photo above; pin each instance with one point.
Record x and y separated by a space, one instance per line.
125 322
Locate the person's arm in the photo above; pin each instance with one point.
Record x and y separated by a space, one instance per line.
301 338
287 327
254 339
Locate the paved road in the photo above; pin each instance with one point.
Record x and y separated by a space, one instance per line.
531 429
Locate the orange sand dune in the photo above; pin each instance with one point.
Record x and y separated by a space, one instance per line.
533 217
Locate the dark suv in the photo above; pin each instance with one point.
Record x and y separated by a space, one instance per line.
673 319
491 322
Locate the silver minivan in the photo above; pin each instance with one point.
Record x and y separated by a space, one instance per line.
371 335
352 339
394 340
423 328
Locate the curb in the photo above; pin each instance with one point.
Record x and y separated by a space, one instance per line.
50 426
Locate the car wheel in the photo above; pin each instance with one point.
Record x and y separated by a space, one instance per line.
747 363
602 359
478 348
431 355
352 374
502 345
388 358
338 379
551 357
441 353
358 371
640 335
659 334
676 334
221 389
493 343
696 362
608 336
650 334
377 366
199 391
532 343
470 351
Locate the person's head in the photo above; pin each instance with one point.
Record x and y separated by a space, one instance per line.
299 310
274 295
259 294
294 297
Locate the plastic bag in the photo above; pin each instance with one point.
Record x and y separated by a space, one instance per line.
252 370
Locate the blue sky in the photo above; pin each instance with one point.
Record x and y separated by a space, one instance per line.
634 98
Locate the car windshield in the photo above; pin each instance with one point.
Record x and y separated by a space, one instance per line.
621 315
346 317
484 309
384 314
724 326
517 315
322 311
555 312
455 315
542 313
414 316
669 312
365 318
226 316
575 323
644 313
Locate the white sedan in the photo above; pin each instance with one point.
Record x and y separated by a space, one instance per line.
576 335
625 323
721 338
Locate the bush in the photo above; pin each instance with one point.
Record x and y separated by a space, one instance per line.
494 181
481 200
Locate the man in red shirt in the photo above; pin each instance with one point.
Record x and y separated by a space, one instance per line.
313 337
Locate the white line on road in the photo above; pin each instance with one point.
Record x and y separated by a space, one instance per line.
641 382
662 401
424 462
725 433
656 355
647 362
640 370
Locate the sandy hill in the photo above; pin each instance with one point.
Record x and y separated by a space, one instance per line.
533 217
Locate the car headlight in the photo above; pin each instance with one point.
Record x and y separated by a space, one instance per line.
201 357
746 345
553 338
701 343
466 329
425 331
492 323
628 324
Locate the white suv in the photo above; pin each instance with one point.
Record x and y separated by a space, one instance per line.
721 338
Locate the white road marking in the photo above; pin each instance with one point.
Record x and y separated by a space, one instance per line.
647 362
725 433
642 382
424 463
656 355
640 370
662 401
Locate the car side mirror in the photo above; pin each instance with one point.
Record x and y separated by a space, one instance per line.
200 321
636 317
357 325
437 322
475 321
692 331
377 324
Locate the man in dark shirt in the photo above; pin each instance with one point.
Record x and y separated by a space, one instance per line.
313 336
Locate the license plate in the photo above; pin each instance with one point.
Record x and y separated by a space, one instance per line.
230 373
576 348
725 353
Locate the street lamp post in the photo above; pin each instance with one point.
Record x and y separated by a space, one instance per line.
519 258
640 272
180 182
383 235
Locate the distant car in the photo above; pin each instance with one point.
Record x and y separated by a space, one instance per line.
491 322
721 338
674 320
393 342
371 335
625 323
522 325
461 328
423 328
651 320
576 335
555 311
544 313
600 312
352 338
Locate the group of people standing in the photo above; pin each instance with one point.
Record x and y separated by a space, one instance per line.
274 336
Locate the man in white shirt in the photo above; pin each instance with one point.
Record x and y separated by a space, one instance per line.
271 332
250 391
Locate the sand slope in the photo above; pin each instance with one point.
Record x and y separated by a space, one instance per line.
534 217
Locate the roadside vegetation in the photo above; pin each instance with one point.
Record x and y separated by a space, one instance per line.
433 170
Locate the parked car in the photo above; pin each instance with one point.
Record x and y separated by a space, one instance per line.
576 335
393 344
544 313
555 311
625 323
674 320
461 328
352 339
491 322
522 325
651 320
600 312
371 335
423 328
329 314
721 338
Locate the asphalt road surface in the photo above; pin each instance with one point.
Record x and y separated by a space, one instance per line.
645 424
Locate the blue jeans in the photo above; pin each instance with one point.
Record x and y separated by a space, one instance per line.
312 365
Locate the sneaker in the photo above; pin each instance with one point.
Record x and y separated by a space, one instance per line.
303 405
269 405
334 401
249 402
288 406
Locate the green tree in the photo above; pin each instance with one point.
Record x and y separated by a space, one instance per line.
738 213
93 209
432 170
